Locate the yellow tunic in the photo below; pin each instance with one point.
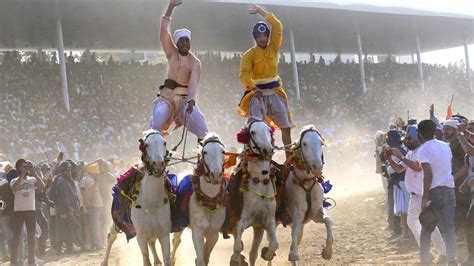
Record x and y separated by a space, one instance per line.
259 66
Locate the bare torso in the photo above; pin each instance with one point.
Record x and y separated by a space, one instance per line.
179 68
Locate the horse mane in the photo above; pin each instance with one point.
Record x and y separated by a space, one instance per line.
211 136
148 132
308 127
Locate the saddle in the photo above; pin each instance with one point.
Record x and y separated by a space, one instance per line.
125 195
182 192
124 198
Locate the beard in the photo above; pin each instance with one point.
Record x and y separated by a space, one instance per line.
411 146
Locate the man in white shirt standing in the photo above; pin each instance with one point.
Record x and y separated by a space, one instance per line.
23 188
414 185
438 189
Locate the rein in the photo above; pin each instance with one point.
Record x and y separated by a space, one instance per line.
298 161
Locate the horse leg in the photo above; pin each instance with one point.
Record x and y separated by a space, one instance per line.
327 250
198 241
111 237
268 253
176 242
211 241
296 235
142 243
156 260
257 239
165 248
238 245
300 237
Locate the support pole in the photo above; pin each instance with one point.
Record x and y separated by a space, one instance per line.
294 66
62 63
468 66
361 63
420 65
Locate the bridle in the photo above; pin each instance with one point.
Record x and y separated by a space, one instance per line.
252 141
202 160
143 148
297 147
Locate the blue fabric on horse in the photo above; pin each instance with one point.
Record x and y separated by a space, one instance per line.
180 208
327 187
121 214
326 204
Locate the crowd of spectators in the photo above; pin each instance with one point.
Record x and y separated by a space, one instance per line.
111 101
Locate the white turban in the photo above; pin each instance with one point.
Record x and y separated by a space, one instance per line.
178 34
451 123
378 134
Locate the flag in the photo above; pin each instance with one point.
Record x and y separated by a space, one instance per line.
449 114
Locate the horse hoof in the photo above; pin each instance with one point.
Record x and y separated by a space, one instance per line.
264 255
242 261
293 257
326 254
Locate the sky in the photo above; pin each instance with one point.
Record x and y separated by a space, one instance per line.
464 7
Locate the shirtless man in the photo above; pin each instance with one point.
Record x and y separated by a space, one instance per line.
176 102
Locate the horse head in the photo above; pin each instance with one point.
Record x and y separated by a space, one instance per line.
310 146
258 138
212 158
154 152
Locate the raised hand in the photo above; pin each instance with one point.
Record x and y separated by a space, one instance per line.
254 9
175 3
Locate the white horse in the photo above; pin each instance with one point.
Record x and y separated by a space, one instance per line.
206 207
151 216
259 203
303 192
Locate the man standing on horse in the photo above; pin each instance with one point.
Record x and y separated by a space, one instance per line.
265 98
176 102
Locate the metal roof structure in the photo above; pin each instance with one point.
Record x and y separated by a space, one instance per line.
223 25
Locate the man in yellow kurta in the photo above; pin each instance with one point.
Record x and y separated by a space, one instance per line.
264 97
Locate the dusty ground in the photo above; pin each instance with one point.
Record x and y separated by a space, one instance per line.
359 221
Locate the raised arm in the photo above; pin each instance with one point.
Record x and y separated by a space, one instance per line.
165 35
467 147
276 36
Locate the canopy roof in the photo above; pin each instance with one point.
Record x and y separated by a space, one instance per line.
223 25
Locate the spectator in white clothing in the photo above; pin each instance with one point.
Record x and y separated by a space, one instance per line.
23 188
414 184
438 189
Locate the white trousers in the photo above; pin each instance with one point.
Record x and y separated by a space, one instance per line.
414 210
